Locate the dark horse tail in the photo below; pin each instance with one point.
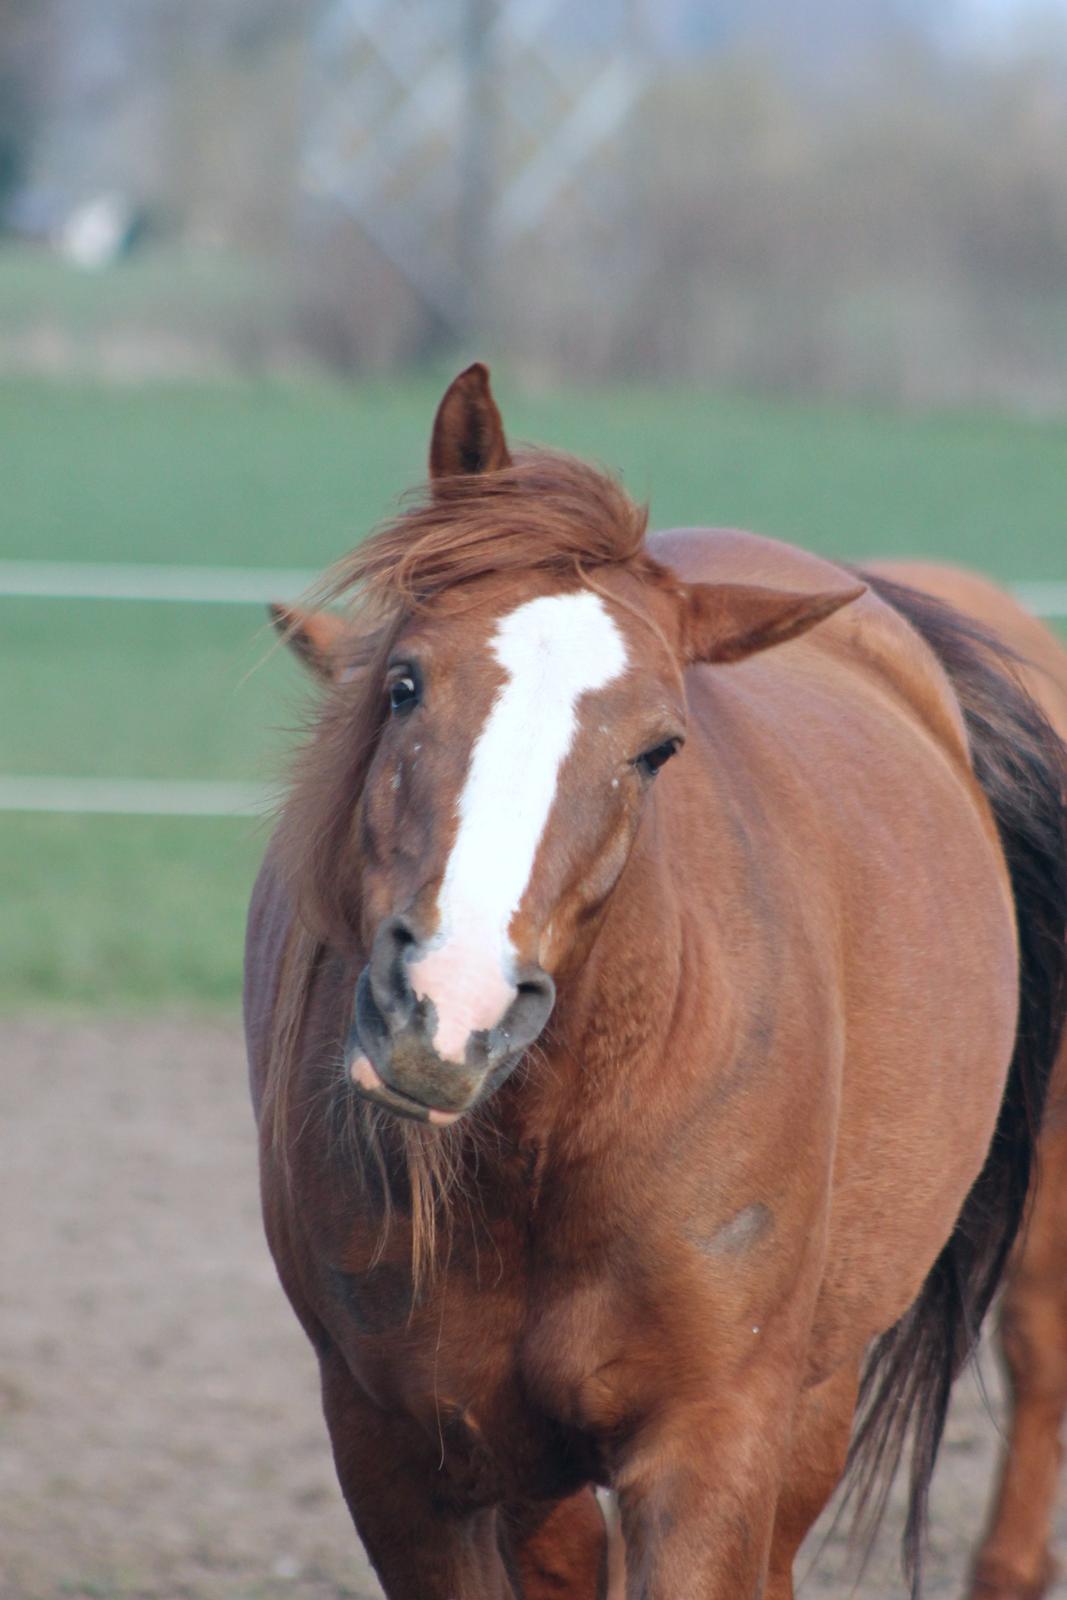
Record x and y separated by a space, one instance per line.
1021 765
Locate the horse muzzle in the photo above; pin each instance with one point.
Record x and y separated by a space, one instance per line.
390 1054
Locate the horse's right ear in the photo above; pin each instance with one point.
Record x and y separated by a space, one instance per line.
468 435
311 635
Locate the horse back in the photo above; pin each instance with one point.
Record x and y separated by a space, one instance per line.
868 644
1042 656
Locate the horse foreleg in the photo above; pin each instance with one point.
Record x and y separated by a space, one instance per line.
418 1547
697 1492
557 1548
1014 1561
817 1453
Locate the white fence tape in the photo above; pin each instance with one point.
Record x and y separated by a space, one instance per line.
235 586
61 580
136 797
166 797
1043 599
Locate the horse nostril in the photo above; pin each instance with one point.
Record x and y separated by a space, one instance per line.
535 981
528 1012
401 932
388 967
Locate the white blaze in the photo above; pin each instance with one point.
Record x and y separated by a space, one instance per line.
553 650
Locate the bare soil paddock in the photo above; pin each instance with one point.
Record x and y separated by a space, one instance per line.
159 1425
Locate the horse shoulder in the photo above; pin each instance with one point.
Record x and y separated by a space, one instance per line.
885 882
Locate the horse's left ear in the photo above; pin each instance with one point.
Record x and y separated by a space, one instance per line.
729 621
312 635
468 435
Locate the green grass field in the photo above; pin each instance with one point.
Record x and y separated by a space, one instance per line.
118 912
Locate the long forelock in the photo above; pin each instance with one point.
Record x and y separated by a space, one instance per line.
547 512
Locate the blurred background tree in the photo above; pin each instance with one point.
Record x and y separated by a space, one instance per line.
861 198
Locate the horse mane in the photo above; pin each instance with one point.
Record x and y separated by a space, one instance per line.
546 512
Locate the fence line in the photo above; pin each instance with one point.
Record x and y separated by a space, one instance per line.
62 580
136 797
167 797
235 586
1044 599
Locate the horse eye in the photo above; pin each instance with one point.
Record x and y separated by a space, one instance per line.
650 762
403 694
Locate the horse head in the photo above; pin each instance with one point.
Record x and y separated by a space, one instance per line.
502 700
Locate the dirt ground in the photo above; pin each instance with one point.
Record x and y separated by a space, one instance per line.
159 1426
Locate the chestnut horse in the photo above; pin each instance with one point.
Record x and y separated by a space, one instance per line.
1015 1562
651 991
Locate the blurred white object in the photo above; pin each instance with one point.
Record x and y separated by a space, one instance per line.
96 233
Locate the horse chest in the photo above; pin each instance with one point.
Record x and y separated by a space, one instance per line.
512 1389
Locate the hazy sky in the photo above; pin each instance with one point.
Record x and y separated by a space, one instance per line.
994 18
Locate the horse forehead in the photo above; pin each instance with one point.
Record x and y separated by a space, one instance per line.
561 645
